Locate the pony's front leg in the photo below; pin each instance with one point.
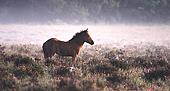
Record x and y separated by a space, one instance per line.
74 59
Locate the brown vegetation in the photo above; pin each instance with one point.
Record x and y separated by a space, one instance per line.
146 67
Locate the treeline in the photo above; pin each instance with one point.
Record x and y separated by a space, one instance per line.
84 11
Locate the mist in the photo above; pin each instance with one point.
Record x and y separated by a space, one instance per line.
115 35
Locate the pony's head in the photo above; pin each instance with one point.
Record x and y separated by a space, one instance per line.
86 37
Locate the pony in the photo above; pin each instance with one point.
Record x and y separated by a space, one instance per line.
66 48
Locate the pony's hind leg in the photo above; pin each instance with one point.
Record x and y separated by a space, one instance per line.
47 57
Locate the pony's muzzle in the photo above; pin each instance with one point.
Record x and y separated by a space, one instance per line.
92 42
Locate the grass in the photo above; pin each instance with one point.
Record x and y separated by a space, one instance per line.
132 67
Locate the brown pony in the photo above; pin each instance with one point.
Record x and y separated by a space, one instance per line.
69 48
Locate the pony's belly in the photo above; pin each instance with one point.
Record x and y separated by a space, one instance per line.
66 53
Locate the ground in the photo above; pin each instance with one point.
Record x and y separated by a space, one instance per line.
143 66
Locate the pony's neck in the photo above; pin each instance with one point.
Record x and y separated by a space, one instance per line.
76 41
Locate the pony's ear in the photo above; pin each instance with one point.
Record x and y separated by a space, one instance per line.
86 30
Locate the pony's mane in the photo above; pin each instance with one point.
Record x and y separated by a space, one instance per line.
77 35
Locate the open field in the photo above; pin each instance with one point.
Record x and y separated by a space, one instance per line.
123 58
